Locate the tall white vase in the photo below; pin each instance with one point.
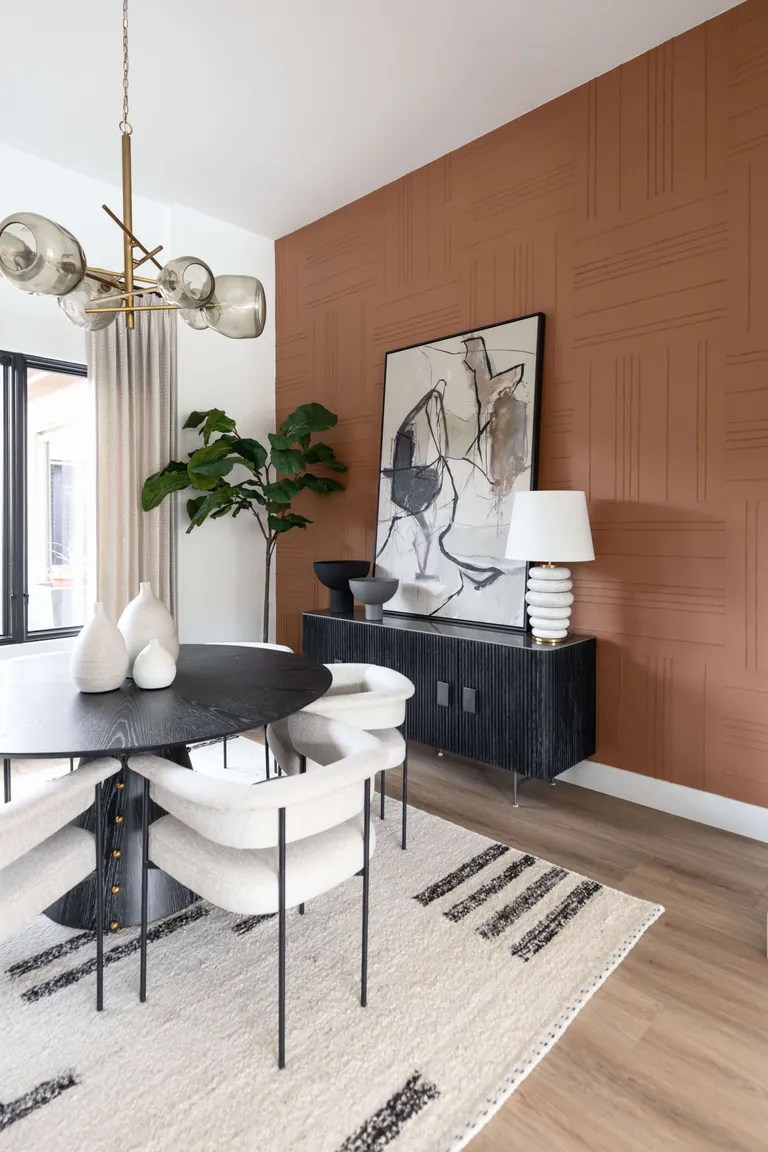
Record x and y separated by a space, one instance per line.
147 618
99 661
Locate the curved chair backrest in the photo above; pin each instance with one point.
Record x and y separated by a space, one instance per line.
29 820
241 815
365 695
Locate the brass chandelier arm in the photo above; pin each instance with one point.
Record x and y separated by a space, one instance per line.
149 256
136 243
139 308
103 272
128 295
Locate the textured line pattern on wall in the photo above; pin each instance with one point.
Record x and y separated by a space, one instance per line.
631 212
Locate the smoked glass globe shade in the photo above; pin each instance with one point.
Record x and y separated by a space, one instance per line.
186 281
39 256
87 295
238 307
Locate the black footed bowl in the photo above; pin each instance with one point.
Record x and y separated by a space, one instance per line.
336 575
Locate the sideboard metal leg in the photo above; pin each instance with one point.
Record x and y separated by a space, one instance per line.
6 780
514 790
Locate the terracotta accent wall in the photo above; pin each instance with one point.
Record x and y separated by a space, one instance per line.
634 213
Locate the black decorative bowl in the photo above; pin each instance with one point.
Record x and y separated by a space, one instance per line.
336 575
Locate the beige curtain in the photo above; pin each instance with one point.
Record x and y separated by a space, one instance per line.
134 379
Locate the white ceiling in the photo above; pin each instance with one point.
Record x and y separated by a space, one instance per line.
271 113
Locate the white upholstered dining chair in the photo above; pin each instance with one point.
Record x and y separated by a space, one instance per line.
252 644
259 849
43 855
374 698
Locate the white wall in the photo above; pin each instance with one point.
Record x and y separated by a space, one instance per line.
220 564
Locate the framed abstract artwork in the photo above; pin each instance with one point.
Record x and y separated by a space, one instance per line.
459 439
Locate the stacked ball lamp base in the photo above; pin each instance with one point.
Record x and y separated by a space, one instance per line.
549 598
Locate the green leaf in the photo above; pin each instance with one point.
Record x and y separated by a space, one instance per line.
194 420
225 495
216 451
280 442
321 484
320 453
193 506
214 468
221 512
295 519
172 478
282 491
307 418
288 462
217 421
251 450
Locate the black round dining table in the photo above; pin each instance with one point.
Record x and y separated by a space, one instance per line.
220 690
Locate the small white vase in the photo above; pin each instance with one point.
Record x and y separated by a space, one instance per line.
154 667
147 618
99 661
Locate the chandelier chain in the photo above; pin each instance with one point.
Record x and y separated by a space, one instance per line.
125 125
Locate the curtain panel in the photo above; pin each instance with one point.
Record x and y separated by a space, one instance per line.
134 381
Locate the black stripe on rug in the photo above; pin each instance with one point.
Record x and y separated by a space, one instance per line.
465 872
156 932
244 926
485 891
66 948
387 1124
31 1101
524 902
551 926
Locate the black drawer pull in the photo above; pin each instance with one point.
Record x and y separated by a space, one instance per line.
468 700
443 694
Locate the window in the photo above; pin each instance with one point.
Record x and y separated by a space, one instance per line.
47 489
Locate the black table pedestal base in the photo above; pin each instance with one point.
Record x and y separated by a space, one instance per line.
122 797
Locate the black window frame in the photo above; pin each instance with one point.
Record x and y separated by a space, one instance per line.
15 367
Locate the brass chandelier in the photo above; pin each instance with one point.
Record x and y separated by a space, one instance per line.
39 256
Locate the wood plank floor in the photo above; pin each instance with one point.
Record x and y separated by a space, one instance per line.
672 1052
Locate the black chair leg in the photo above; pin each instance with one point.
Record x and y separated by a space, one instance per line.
366 878
224 742
381 794
71 763
281 957
266 750
405 800
6 780
144 890
99 899
302 765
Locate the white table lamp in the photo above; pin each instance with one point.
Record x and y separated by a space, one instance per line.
549 527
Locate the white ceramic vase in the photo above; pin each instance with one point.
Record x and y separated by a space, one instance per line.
154 667
99 661
147 618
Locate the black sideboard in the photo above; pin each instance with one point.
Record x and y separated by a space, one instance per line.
486 693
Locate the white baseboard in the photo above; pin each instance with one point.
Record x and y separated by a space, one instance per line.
690 803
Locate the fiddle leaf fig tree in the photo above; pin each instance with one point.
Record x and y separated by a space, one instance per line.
231 474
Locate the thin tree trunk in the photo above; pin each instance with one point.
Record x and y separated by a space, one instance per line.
267 589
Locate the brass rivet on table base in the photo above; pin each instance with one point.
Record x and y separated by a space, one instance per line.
119 819
115 889
120 785
114 925
116 853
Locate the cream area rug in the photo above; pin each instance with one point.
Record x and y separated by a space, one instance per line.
480 956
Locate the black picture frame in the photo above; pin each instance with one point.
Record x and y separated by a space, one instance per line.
540 317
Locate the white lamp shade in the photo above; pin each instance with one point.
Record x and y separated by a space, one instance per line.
550 526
